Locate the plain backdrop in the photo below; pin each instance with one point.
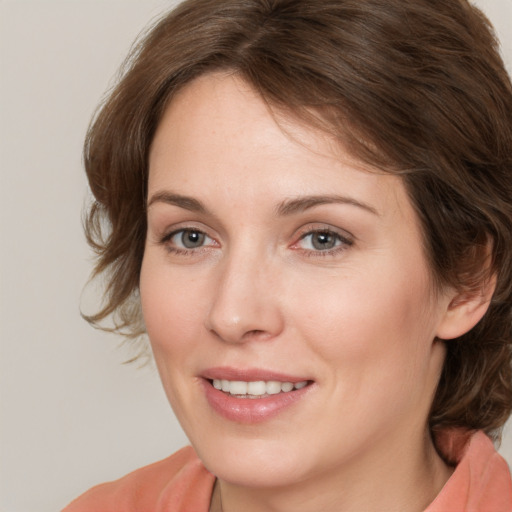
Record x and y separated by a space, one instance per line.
71 414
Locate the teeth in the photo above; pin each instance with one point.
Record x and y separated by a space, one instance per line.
273 387
238 387
286 386
256 388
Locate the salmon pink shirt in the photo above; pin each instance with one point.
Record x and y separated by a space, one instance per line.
481 482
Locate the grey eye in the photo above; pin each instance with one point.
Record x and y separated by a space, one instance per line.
321 241
191 239
324 240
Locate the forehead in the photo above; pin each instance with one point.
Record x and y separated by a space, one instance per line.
218 131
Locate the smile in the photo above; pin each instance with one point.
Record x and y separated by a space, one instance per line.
253 395
256 389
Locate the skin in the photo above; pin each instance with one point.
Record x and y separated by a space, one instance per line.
360 320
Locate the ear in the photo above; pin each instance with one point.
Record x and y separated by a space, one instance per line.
465 310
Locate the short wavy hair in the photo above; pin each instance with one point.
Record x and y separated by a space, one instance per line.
416 88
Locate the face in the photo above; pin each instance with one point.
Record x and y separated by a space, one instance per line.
280 270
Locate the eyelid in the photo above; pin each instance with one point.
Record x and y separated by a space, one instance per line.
346 238
318 227
167 236
173 232
165 233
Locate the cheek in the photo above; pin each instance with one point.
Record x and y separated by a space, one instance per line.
371 325
172 307
173 315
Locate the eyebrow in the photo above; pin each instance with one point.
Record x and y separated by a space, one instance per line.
185 202
285 208
292 206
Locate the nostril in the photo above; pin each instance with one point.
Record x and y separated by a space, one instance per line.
240 321
256 333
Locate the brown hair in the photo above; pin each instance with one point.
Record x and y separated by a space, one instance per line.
416 88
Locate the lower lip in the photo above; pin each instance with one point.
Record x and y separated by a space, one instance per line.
251 410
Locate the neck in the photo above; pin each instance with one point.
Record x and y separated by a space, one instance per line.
396 480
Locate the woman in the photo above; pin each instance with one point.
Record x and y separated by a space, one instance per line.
307 207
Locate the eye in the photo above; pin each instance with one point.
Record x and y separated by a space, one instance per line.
323 240
320 241
187 239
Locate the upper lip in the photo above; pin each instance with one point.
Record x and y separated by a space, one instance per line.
250 375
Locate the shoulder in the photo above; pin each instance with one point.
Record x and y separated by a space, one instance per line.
179 482
481 481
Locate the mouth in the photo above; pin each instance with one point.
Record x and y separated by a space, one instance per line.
256 389
253 395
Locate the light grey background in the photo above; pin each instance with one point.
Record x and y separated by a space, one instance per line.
71 415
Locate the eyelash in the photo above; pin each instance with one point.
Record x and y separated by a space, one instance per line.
343 242
166 241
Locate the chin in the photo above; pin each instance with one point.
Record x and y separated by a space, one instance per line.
252 463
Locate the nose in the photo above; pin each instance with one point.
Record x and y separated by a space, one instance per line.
245 304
